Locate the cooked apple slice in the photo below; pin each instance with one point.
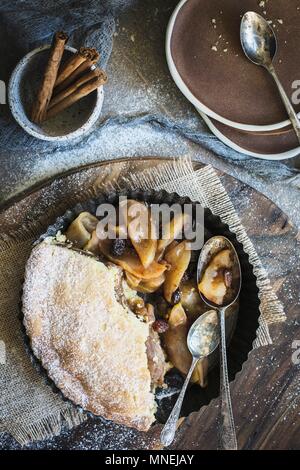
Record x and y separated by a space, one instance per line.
132 280
171 231
141 230
216 277
171 246
93 244
131 263
191 300
178 258
80 230
179 355
177 316
199 375
146 287
151 285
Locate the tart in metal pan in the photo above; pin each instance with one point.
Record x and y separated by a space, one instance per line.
241 330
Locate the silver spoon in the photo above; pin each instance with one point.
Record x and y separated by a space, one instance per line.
211 248
259 44
202 340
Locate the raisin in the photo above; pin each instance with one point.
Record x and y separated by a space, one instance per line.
227 277
160 326
176 297
118 247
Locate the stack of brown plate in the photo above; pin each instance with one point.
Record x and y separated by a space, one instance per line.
238 100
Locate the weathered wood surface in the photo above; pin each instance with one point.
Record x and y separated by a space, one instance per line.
266 392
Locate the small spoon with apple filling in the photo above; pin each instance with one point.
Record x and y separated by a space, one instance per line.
202 340
219 283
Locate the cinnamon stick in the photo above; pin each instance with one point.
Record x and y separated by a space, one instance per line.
39 108
97 73
84 53
77 95
86 65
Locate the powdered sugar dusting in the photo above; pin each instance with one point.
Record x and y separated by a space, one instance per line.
80 333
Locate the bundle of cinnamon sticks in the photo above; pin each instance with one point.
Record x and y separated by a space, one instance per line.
64 85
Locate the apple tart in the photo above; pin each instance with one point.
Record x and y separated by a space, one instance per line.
99 353
108 318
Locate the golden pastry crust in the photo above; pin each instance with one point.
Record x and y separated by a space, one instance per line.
93 348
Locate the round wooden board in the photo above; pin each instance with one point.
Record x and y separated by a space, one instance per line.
265 393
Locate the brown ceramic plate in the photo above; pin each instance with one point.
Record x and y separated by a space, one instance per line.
207 62
277 145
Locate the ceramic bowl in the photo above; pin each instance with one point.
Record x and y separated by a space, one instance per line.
72 123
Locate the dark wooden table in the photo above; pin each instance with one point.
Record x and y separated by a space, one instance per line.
266 392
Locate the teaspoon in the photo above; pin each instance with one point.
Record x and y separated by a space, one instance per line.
209 249
202 340
260 45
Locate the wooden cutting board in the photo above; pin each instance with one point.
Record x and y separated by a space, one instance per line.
266 392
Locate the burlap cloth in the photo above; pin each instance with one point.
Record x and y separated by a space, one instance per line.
29 410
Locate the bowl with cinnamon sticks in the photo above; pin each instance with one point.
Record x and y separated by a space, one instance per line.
56 92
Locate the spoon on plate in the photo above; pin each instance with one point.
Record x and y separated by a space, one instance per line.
211 248
260 45
202 340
